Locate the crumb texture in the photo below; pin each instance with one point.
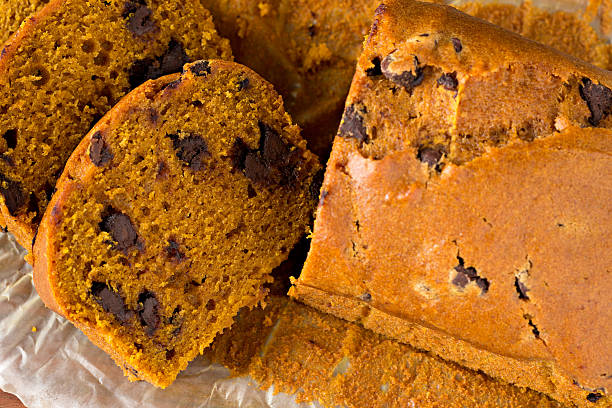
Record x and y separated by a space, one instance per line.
173 212
65 68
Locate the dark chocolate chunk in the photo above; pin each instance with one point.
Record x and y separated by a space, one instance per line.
121 229
172 85
191 149
407 79
521 289
457 44
482 283
243 84
10 137
200 68
170 354
460 280
374 70
170 62
366 297
466 275
598 98
352 125
273 149
173 251
255 168
140 17
111 301
449 81
149 311
99 152
431 155
14 198
274 162
594 397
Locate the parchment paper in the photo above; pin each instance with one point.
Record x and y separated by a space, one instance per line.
57 366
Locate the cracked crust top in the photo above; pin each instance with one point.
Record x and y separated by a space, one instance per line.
467 198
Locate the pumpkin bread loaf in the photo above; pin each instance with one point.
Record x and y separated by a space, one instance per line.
466 207
65 67
171 214
13 12
308 48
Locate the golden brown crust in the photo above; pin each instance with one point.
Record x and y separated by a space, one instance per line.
486 257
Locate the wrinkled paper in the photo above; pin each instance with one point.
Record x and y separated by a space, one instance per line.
55 365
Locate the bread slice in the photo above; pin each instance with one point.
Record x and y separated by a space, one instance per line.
171 214
466 207
65 68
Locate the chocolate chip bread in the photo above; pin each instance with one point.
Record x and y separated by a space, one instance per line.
65 68
172 212
13 12
466 204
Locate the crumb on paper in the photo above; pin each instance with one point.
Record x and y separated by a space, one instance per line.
34 329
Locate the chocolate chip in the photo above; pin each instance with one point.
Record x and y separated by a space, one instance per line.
243 84
111 301
352 125
466 275
521 289
431 155
170 354
374 70
173 251
594 397
483 284
407 79
200 68
170 62
14 198
191 149
10 137
140 17
598 98
317 183
120 227
149 311
172 85
366 297
273 149
457 44
274 162
99 152
449 81
460 280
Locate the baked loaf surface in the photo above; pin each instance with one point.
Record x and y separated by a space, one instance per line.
65 68
13 12
171 214
466 204
298 349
